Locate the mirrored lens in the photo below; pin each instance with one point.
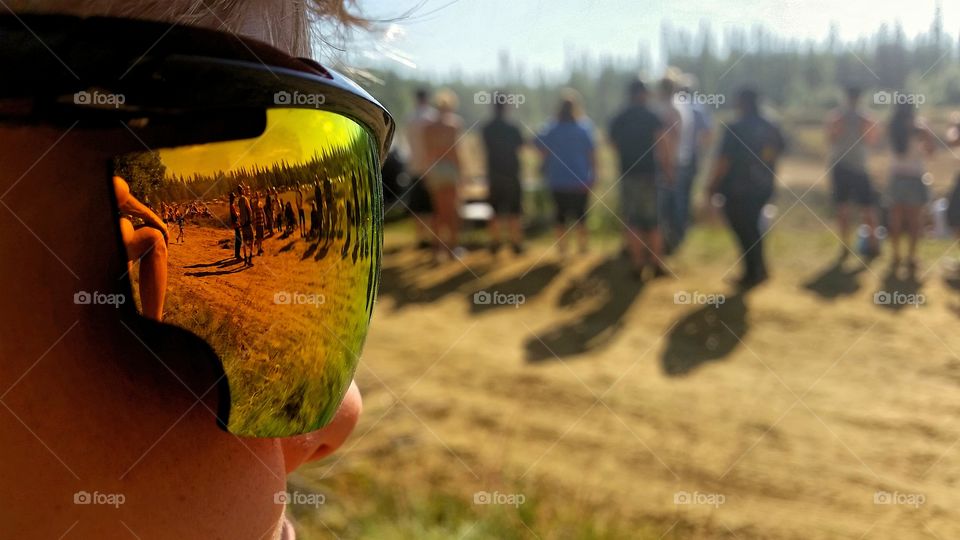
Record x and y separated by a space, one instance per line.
271 254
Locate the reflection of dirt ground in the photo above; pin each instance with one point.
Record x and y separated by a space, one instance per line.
287 306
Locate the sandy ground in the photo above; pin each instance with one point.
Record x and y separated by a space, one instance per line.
800 406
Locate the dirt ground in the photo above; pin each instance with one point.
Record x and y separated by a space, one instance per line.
802 410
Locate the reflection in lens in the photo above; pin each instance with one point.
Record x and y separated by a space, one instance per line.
273 258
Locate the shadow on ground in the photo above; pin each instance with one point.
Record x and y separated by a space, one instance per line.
612 287
708 334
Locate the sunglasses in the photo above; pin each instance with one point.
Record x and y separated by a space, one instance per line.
222 186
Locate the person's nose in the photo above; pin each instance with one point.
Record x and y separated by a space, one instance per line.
319 444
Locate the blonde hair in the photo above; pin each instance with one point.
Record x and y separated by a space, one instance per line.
446 100
286 24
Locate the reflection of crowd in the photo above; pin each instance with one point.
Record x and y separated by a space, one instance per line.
336 213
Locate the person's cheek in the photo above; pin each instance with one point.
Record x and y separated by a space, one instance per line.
323 442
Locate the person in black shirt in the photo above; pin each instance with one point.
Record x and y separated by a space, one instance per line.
744 174
503 140
635 133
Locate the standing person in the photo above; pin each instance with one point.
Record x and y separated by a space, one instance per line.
744 174
268 213
301 217
235 223
441 136
849 130
259 223
503 141
180 227
635 133
670 141
695 133
419 202
569 151
912 142
246 225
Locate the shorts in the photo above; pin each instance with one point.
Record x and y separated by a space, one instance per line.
246 233
419 197
908 189
571 206
506 196
638 202
443 174
852 186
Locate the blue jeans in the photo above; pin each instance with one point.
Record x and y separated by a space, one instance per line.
674 202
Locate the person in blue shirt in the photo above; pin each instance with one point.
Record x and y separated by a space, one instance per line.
568 148
744 174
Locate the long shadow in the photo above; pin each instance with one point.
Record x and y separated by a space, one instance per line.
525 286
836 281
708 334
898 292
228 261
400 283
218 272
612 281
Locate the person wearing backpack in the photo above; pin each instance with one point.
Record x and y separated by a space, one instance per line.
744 175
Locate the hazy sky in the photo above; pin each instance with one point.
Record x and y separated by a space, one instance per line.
468 34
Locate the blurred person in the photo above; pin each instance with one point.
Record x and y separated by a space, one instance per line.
419 203
665 107
849 130
196 480
502 141
911 142
953 201
441 136
180 228
301 217
743 174
246 224
634 133
235 224
146 245
569 152
695 133
259 223
268 212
